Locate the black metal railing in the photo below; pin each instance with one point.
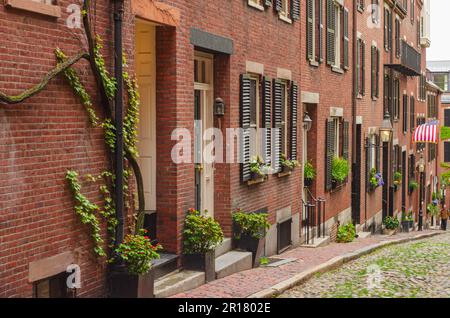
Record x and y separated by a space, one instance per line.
314 218
411 59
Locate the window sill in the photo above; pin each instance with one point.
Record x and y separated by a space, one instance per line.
374 99
338 187
36 7
284 174
313 63
359 96
360 9
256 6
256 181
284 18
337 69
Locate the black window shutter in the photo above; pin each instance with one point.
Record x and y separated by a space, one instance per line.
245 112
277 123
363 68
412 113
267 117
390 29
446 151
386 29
358 67
294 120
278 5
345 140
346 39
295 9
447 117
309 29
320 30
378 74
377 153
397 38
373 72
331 27
405 113
369 149
329 153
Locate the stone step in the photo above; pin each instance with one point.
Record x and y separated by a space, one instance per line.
364 235
317 242
233 262
178 282
166 264
223 248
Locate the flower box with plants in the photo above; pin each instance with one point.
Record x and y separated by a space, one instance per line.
309 174
375 180
202 235
339 171
413 185
249 232
259 169
391 225
288 165
397 179
346 233
136 279
407 222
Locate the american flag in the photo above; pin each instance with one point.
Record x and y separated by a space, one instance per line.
427 132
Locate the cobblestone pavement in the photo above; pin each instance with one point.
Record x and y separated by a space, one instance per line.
418 269
244 284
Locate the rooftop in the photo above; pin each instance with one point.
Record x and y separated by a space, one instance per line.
438 66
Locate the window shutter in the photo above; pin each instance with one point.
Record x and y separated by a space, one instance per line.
329 153
294 120
245 112
446 151
267 117
363 68
331 27
345 141
369 149
295 9
386 29
373 71
378 73
277 123
278 5
309 29
390 29
412 114
405 113
358 67
377 153
346 39
320 31
397 38
447 117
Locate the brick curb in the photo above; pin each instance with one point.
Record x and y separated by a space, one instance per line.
331 264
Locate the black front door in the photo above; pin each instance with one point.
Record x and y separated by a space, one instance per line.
385 178
356 181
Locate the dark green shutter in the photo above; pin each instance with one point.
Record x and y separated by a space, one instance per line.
369 149
378 73
295 9
346 39
320 30
278 5
412 114
386 29
267 117
346 140
363 68
331 27
309 29
405 113
377 153
329 153
294 120
373 71
390 29
277 123
358 67
245 114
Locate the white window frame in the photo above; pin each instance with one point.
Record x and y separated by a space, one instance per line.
257 4
337 136
372 146
256 128
285 110
337 35
284 12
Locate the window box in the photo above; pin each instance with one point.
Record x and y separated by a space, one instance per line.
256 178
36 7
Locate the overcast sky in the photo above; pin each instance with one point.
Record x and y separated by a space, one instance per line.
440 31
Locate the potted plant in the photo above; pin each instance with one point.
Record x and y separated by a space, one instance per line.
309 174
340 170
433 209
397 179
249 232
201 236
136 279
346 233
406 225
391 225
413 185
410 220
258 168
375 179
287 164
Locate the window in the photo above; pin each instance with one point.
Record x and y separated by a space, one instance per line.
431 152
314 31
53 287
412 113
412 11
336 141
420 146
284 11
258 4
431 105
387 91
396 160
337 36
422 88
284 116
376 11
441 80
447 117
405 114
372 160
375 72
337 145
360 5
446 151
396 99
361 67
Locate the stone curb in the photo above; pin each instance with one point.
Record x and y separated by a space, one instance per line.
331 264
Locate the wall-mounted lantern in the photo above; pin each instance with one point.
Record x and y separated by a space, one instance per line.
307 122
219 107
386 129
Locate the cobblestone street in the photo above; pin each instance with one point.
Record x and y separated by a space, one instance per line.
415 269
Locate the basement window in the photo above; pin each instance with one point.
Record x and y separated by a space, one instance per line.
54 287
43 7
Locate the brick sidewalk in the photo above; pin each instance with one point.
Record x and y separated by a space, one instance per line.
244 284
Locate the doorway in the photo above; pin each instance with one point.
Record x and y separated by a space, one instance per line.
356 181
203 124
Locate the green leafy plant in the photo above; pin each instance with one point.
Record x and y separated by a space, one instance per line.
433 209
264 261
346 233
340 169
309 171
258 167
253 224
397 178
413 185
287 163
391 223
201 233
138 252
410 217
375 179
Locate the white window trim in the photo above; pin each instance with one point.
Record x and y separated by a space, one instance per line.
286 113
253 4
284 14
337 133
337 36
257 149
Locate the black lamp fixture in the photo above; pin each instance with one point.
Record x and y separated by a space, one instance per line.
386 129
307 122
219 107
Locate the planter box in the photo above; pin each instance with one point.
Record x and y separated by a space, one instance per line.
308 183
126 285
406 226
201 262
250 244
389 232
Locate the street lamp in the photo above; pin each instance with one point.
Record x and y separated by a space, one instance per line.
386 128
307 122
421 171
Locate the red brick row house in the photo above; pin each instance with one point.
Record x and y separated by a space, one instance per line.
271 64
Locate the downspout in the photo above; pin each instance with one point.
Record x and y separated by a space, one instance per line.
118 112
